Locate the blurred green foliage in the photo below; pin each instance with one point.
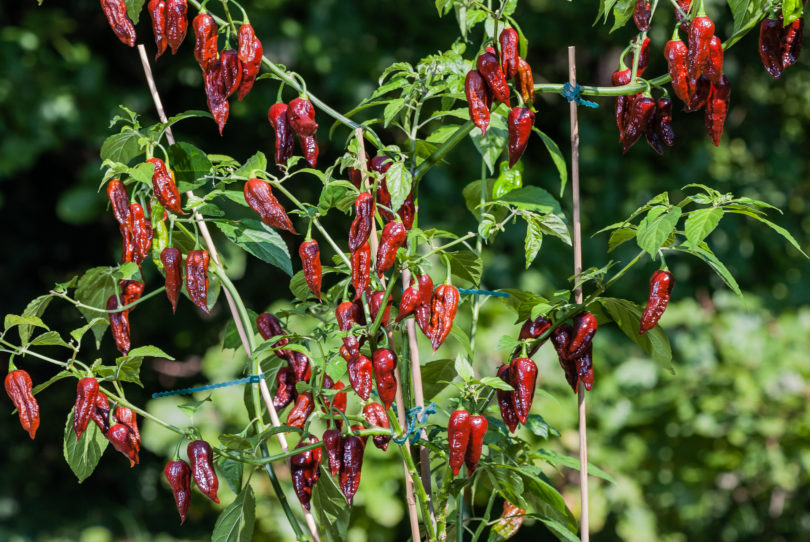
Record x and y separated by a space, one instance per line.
716 450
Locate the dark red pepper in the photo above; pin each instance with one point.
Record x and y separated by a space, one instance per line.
18 387
333 443
361 269
172 260
374 304
393 237
309 148
119 325
714 64
101 413
197 278
178 475
277 115
300 364
675 53
584 329
176 23
458 438
119 201
157 11
338 401
523 378
717 109
351 466
205 40
346 315
381 164
642 14
408 303
200 457
643 55
126 416
310 254
305 469
141 231
164 187
683 19
561 339
524 82
301 410
771 36
250 57
478 429
532 329
490 69
519 125
407 212
660 130
360 375
120 436
422 312
639 118
700 35
360 229
506 402
509 41
384 362
301 115
215 93
792 42
623 103
269 327
285 388
700 94
375 416
661 284
442 312
121 24
231 71
260 198
476 90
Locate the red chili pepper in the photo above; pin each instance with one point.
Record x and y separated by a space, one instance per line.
509 41
351 466
260 198
506 402
231 68
771 36
86 391
375 416
407 212
643 55
360 375
714 64
301 115
360 229
458 438
119 201
350 348
215 93
561 339
524 82
310 254
478 429
101 413
178 475
127 417
584 366
639 118
119 325
205 40
305 471
519 124
346 315
381 164
792 42
200 457
642 14
661 284
18 387
157 11
384 363
524 377
476 90
700 94
443 311
131 291
197 278
675 53
374 304
121 438
338 401
250 57
717 108
700 35
164 187
333 444
172 260
121 24
408 303
300 364
176 23
623 103
355 177
490 70
393 237
269 327
285 388
584 329
301 410
422 313
532 329
140 231
660 129
277 115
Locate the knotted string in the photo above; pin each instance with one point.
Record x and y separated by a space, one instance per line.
413 422
574 94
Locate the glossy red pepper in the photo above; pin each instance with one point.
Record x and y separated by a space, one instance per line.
121 24
140 230
215 93
301 366
260 198
121 438
333 444
301 115
393 237
231 68
675 53
157 12
197 278
351 466
277 115
101 413
506 402
384 362
584 329
285 388
178 475
661 284
623 103
771 36
305 469
660 129
714 65
407 305
584 366
309 148
360 229
509 41
407 212
269 327
338 401
476 90
172 261
532 329
301 410
350 348
792 42
442 312
422 312
641 15
18 387
519 125
375 416
201 459
458 438
360 375
164 187
346 315
205 40
490 69
374 304
643 55
561 339
250 57
176 23
523 379
361 269
717 109
310 254
639 118
700 94
700 35
119 201
524 82
381 164
119 325
127 417
478 430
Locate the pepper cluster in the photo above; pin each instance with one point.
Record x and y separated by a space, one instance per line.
169 23
490 81
296 117
179 474
574 346
465 440
780 45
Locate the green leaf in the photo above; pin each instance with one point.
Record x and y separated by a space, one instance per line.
121 147
781 231
12 320
83 455
700 223
655 228
466 265
556 458
259 239
744 11
627 316
495 382
79 332
556 157
435 375
493 143
561 531
622 12
235 523
257 162
704 253
392 110
148 351
553 225
299 287
189 165
463 368
540 427
231 470
339 195
93 289
398 180
533 198
134 8
472 196
533 241
35 308
330 508
619 237
791 10
49 338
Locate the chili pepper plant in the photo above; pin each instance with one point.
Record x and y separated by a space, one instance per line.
384 291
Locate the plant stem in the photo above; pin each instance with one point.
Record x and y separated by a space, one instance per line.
106 311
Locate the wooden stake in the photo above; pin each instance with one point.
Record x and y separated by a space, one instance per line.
583 429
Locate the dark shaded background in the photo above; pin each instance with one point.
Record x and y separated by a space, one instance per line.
62 76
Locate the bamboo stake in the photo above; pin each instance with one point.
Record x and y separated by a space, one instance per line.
212 250
583 429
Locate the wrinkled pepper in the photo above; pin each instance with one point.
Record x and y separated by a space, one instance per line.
478 429
120 436
164 186
509 41
351 466
172 261
197 278
310 254
119 325
698 54
360 229
178 475
285 388
157 12
384 363
250 58
201 459
458 438
393 237
641 15
360 375
121 24
442 312
375 303
524 82
205 41
86 391
260 198
301 410
523 378
585 326
640 116
305 469
375 416
717 109
506 402
18 387
490 69
476 90
361 269
176 23
675 53
277 116
519 125
661 284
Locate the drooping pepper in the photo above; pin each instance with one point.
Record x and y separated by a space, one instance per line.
119 325
164 187
172 261
641 15
375 304
277 116
157 11
561 338
442 312
700 94
201 459
393 237
700 36
458 438
506 402
120 436
422 313
360 375
682 18
309 149
121 24
176 23
374 413
141 231
305 469
250 57
301 115
660 130
126 416
509 41
716 109
360 229
333 443
285 388
771 34
641 114
478 429
524 82
119 201
338 401
519 125
310 254
523 379
408 303
532 329
86 391
490 69
350 348
407 212
623 103
216 97
101 413
197 278
584 366
475 88
301 365
384 362
178 475
792 42
205 40
361 269
231 68
301 410
18 387
269 327
351 466
381 164
714 64
675 53
585 326
260 198
661 284
643 55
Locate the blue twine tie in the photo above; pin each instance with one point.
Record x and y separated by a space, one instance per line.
413 423
574 94
252 379
482 292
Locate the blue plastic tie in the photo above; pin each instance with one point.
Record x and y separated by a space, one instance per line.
482 292
413 420
574 94
252 379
